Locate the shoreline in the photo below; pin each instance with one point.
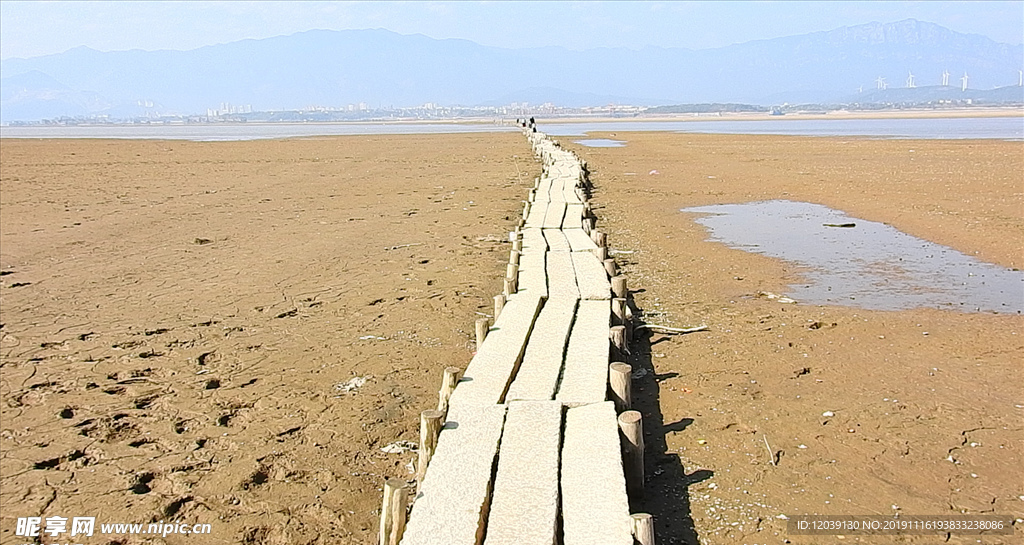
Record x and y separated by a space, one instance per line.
910 113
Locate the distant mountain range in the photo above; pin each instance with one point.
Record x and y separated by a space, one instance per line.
382 68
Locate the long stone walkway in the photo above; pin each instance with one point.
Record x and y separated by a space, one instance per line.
529 452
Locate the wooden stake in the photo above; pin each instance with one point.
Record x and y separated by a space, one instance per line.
509 288
602 253
513 257
619 311
482 325
430 427
595 235
386 512
517 245
602 240
448 383
610 268
512 271
399 513
617 334
499 304
631 428
619 287
643 528
620 378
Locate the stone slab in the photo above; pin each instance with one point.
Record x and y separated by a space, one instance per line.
455 490
555 214
591 276
573 216
561 276
534 241
537 377
489 373
579 241
585 372
538 211
524 507
595 508
533 277
556 240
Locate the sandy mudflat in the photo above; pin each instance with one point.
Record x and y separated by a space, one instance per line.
908 390
177 315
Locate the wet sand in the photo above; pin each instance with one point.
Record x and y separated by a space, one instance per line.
908 391
178 318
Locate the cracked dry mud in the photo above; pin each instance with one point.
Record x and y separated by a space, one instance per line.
177 315
919 412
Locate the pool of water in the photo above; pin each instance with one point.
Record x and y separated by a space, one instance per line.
600 143
852 262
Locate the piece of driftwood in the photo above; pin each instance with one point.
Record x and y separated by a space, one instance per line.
666 329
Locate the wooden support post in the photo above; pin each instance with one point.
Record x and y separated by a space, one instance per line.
533 194
448 383
521 224
391 486
643 528
526 209
620 378
610 267
602 239
632 430
517 245
399 514
499 304
512 271
601 253
588 226
482 325
430 427
513 256
595 235
587 210
618 311
510 288
618 338
619 287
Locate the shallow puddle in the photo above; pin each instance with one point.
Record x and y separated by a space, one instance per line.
854 262
600 143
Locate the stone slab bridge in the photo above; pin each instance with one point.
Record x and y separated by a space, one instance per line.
534 442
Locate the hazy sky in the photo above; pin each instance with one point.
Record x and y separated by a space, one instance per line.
32 28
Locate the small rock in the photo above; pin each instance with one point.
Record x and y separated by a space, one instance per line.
398 447
828 413
353 384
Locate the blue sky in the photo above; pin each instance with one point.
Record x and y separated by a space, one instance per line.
32 28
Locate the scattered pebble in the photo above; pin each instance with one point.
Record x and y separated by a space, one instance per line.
828 413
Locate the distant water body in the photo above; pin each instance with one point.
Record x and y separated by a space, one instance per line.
944 128
999 128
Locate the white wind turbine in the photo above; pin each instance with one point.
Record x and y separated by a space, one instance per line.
880 82
964 79
945 78
910 80
1020 78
